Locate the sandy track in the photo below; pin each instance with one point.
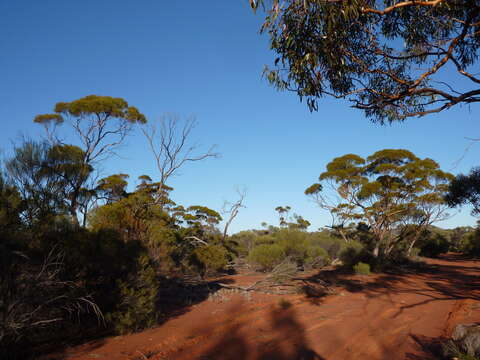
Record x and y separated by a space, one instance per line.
377 317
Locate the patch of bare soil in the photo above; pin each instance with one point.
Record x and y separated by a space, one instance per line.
369 317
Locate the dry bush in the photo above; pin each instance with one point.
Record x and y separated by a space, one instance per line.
35 300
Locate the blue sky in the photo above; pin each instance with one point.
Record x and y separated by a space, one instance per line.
201 58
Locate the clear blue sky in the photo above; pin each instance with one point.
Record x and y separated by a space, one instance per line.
201 58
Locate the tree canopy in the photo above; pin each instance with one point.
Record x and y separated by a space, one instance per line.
100 122
465 189
386 191
391 59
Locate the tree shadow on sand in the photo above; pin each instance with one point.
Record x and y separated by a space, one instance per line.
428 348
282 339
452 281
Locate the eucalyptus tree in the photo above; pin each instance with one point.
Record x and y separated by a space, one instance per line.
101 124
283 215
66 165
50 179
388 190
40 193
112 188
203 219
391 59
465 189
294 222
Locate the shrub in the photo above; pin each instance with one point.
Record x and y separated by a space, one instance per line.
434 245
333 246
244 241
361 269
136 308
265 239
471 244
316 257
267 256
37 302
414 253
211 257
351 254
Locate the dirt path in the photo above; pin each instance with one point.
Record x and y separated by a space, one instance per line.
377 317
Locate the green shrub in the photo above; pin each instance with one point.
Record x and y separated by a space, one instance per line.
136 307
267 256
211 257
361 269
316 257
414 253
333 246
296 245
351 253
433 245
265 239
471 243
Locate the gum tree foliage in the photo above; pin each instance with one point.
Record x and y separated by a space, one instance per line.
282 214
50 179
202 219
175 237
291 222
112 188
387 191
11 205
66 165
465 189
101 124
23 170
391 59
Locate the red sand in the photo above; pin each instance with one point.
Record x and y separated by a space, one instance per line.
374 317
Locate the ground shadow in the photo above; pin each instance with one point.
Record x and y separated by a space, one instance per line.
446 281
176 297
283 339
427 348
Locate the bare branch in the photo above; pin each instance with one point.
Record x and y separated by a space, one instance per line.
232 209
169 142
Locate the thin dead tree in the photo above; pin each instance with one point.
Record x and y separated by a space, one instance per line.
231 209
170 143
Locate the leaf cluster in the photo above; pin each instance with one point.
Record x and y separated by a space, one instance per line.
386 57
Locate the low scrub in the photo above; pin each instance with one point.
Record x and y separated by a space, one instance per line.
361 269
266 256
295 245
211 258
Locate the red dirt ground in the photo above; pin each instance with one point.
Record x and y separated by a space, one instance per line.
375 317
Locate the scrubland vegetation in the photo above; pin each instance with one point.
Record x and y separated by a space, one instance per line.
83 257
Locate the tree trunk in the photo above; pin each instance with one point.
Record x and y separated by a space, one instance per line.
376 250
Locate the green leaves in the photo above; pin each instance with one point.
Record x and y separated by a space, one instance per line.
370 53
313 189
390 187
48 118
100 105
